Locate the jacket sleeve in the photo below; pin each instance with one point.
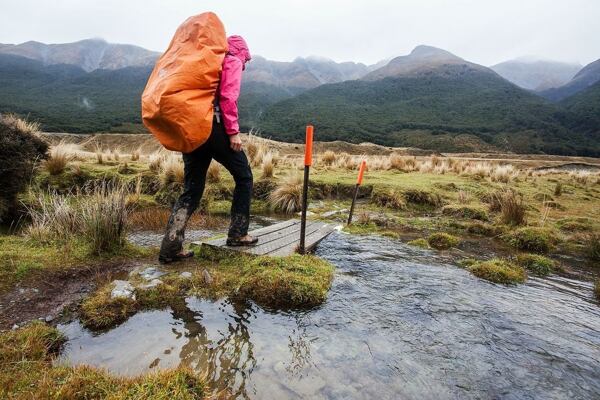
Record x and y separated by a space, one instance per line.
229 92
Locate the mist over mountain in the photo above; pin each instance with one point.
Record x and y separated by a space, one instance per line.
534 74
429 98
89 54
588 76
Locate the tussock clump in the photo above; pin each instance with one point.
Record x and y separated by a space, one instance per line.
20 151
558 189
421 242
592 246
422 197
98 215
171 170
287 196
510 204
60 155
536 264
156 160
328 158
390 199
268 165
442 241
537 240
482 229
468 212
503 173
498 271
402 163
213 174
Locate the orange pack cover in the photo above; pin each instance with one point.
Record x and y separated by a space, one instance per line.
177 103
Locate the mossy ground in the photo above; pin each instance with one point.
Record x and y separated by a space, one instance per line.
297 281
27 372
537 264
23 259
498 271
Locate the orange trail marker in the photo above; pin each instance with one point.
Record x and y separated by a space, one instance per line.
307 163
361 174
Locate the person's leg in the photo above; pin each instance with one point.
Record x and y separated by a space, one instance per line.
195 166
237 164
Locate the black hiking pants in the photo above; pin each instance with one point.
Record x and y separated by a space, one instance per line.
195 167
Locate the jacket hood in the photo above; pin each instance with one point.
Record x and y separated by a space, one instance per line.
238 48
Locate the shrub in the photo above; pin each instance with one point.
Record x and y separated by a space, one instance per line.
213 175
442 241
498 271
20 150
536 264
287 196
537 240
468 212
592 246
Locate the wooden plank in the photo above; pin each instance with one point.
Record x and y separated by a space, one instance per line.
313 237
279 239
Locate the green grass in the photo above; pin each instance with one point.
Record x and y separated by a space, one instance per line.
422 243
498 271
536 264
537 240
22 259
274 282
27 372
442 241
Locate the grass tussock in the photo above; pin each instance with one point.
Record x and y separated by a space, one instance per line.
287 196
442 241
328 158
536 264
498 271
97 215
59 157
592 246
510 205
537 240
391 199
171 170
27 372
268 165
213 174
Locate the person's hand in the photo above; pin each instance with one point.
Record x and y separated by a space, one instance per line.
235 142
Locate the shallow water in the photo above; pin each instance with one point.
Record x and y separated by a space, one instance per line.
399 323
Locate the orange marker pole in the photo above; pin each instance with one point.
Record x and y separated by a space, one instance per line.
361 174
307 164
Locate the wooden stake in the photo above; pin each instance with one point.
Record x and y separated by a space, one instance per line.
361 173
307 164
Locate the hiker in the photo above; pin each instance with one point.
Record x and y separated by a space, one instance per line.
225 146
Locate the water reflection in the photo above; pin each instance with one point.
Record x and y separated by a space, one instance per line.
399 323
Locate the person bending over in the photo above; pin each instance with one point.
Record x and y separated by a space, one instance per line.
225 146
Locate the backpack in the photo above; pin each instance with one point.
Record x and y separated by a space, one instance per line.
177 103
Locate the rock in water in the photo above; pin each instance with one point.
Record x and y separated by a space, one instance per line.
207 278
122 290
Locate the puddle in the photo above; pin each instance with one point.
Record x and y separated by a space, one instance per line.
399 323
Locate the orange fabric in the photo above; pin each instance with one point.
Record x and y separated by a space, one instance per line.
308 146
361 172
177 103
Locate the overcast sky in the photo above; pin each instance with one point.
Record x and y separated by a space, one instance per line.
482 31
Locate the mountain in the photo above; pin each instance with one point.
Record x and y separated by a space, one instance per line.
90 54
535 74
421 61
66 98
431 99
588 76
586 105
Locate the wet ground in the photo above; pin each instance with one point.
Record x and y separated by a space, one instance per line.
399 323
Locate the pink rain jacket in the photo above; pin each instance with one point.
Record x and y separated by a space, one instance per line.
231 81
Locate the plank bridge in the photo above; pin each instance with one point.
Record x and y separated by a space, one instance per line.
280 239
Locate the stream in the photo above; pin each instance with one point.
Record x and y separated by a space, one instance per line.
399 323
